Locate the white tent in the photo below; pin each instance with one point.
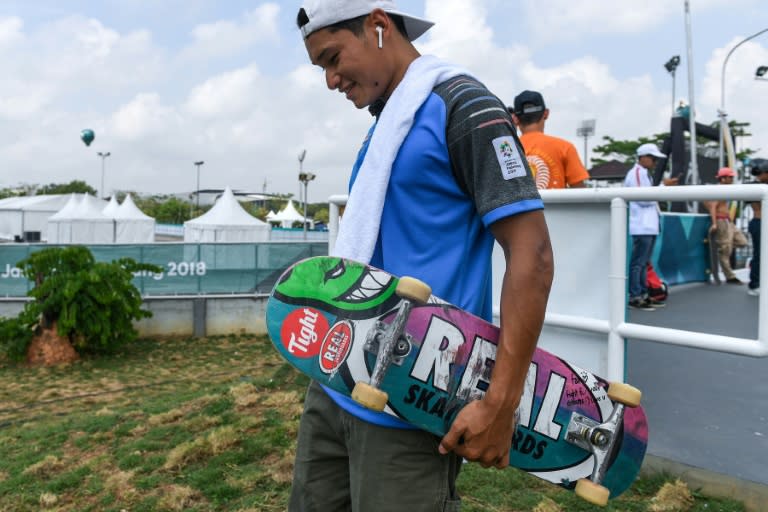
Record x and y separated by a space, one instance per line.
288 215
132 226
27 216
112 207
81 221
227 221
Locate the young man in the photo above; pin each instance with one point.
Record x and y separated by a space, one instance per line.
554 161
726 234
760 170
643 227
438 179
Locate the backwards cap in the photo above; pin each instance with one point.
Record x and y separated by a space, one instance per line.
324 13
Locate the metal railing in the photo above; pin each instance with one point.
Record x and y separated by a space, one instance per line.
616 328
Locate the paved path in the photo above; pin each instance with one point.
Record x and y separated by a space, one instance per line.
706 409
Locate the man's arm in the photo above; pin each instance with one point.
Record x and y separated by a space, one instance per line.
712 207
483 430
575 172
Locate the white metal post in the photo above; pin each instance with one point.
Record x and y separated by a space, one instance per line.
618 289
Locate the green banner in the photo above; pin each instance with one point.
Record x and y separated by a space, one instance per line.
187 268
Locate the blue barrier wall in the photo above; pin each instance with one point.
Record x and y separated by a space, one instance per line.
680 254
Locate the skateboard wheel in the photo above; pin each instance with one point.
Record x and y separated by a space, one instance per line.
624 394
589 491
370 397
413 289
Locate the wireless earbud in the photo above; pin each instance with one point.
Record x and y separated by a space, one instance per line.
380 30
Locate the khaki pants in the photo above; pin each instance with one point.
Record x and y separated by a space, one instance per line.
728 237
346 464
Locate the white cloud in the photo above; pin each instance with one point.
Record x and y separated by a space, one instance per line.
10 31
228 37
145 116
230 94
243 97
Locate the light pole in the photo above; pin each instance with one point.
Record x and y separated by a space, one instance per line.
671 66
586 130
103 157
721 112
691 101
761 72
198 164
302 156
305 178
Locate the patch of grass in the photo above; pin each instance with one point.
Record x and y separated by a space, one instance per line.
205 425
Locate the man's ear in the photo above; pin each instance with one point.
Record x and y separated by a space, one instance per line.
546 115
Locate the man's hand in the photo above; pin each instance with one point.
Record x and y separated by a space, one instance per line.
670 181
481 433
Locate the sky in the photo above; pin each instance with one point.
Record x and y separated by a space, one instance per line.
165 84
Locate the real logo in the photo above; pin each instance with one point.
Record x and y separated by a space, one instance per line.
301 331
335 347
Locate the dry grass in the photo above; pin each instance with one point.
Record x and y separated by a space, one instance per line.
672 497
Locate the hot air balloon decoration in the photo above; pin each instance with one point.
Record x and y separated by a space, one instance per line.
87 136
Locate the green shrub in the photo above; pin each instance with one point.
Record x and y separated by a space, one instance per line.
93 303
15 336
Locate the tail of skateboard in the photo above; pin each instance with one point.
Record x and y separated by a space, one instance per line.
351 327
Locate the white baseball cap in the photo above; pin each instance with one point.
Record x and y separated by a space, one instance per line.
323 13
650 149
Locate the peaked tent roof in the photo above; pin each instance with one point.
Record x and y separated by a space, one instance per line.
90 208
289 213
68 210
112 207
226 212
129 211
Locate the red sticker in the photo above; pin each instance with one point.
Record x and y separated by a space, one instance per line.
301 331
335 347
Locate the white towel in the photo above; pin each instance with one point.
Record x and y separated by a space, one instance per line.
360 227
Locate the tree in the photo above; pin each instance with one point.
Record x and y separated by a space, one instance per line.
623 150
93 304
76 186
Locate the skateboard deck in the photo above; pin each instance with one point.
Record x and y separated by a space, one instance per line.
714 261
328 317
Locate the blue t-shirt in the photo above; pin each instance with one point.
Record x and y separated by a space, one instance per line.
459 170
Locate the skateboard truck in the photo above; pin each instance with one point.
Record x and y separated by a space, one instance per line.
399 352
601 439
392 342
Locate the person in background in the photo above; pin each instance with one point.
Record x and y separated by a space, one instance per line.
439 180
644 226
554 161
727 235
760 171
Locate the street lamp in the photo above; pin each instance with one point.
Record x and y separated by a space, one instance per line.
198 164
721 112
761 72
305 178
586 130
671 66
103 157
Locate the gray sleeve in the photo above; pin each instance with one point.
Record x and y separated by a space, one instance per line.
487 158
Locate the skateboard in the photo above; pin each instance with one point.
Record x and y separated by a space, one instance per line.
392 346
714 261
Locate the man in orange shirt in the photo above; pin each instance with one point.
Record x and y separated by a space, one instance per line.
554 161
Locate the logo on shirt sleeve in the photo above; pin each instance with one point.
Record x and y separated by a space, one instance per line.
510 161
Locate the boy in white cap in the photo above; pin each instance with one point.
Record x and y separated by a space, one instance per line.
643 227
439 178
